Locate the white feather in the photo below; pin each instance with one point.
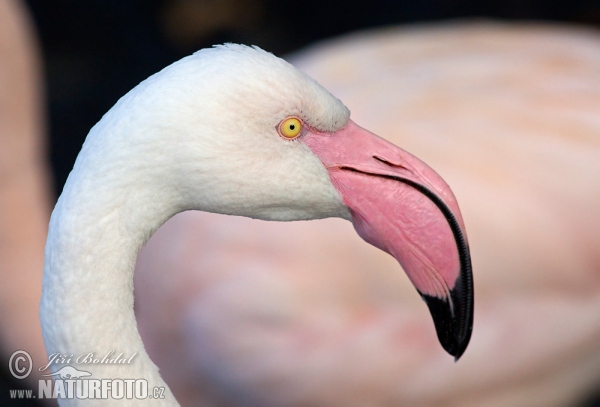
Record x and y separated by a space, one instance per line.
201 134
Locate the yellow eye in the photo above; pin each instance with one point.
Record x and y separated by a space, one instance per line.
290 127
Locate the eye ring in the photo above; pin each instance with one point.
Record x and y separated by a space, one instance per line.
290 128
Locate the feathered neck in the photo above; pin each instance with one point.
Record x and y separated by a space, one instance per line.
95 233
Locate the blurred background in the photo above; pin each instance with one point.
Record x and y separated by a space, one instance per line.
507 90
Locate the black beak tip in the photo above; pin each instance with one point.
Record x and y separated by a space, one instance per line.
453 319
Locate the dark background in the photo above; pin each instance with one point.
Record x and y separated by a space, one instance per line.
94 51
97 50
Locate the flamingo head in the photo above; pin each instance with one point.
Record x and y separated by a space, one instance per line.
254 136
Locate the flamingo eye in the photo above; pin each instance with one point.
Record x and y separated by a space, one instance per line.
290 128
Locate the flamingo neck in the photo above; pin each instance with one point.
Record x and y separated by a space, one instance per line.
99 224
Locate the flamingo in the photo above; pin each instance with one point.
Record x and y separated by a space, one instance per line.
24 189
235 130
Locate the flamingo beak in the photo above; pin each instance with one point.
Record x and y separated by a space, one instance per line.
402 206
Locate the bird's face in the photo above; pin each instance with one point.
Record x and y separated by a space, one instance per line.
400 205
273 144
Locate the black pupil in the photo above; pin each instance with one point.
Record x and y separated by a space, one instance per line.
292 126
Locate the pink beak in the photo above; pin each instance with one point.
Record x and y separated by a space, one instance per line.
402 206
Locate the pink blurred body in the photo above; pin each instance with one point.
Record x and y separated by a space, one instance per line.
24 188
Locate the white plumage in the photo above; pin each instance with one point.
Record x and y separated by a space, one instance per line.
186 138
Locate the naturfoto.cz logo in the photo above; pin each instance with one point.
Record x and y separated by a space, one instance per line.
69 382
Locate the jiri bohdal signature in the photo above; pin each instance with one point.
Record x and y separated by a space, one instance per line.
89 358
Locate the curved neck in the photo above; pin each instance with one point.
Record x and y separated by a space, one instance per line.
95 233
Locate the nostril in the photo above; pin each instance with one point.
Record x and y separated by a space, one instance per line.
389 163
